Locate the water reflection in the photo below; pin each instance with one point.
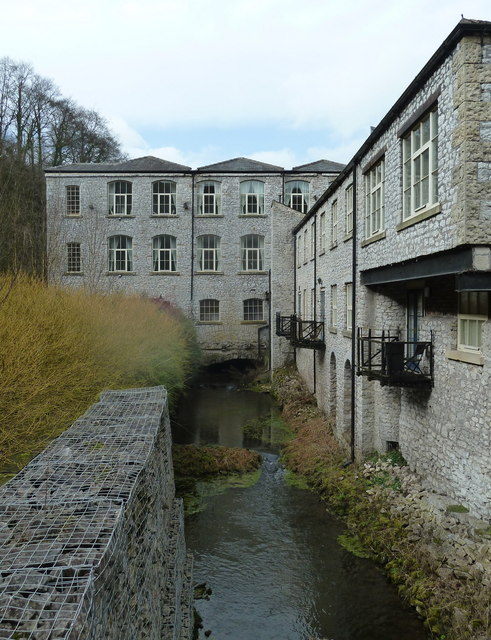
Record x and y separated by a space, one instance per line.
269 552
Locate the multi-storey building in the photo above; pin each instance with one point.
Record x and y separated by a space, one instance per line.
200 239
392 279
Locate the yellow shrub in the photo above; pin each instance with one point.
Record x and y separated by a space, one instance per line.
59 349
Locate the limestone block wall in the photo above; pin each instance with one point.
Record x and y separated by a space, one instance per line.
91 535
231 336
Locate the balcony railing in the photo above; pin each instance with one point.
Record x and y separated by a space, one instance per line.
394 362
306 334
284 325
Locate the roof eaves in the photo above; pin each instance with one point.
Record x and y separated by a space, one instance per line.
464 27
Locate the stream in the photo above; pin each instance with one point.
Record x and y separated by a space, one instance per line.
269 551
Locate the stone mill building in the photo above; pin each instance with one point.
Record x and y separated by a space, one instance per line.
373 277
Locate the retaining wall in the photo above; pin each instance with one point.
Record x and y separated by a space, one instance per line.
91 534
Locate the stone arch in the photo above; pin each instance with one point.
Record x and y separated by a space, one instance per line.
333 393
347 386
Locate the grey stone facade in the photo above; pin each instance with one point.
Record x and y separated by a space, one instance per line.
228 331
91 534
412 272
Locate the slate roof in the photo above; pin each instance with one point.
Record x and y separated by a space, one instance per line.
245 165
147 164
320 165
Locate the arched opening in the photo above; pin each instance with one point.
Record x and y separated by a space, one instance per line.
347 382
332 387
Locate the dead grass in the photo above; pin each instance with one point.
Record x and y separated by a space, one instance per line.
59 349
199 461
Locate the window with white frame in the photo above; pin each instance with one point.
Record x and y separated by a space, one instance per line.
120 198
375 199
164 198
252 252
120 253
322 232
164 253
209 201
253 310
299 249
333 318
334 223
305 244
209 310
297 195
473 313
209 253
74 257
312 240
420 165
348 292
348 200
252 197
72 194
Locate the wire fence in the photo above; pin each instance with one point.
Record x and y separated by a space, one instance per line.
69 525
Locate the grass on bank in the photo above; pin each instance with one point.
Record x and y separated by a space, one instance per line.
59 349
451 609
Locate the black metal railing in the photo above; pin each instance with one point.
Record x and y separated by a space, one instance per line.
307 334
385 357
284 325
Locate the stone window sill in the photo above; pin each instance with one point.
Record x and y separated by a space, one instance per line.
164 215
252 273
375 238
208 273
347 333
122 216
209 215
465 356
209 322
333 246
165 273
121 273
253 322
252 215
419 217
333 330
73 273
348 236
68 216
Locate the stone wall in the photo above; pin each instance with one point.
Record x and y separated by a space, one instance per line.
91 534
231 335
442 430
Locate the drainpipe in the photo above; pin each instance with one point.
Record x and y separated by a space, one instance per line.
294 287
192 239
353 312
315 297
269 301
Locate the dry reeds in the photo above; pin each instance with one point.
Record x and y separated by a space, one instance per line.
59 349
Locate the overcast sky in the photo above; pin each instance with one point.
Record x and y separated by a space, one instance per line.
200 81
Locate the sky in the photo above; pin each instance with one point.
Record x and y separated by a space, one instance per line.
202 81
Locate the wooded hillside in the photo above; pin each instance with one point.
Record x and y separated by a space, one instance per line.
38 128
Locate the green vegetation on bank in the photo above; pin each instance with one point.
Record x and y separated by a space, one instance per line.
361 494
59 349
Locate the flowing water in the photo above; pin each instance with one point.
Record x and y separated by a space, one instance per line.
269 552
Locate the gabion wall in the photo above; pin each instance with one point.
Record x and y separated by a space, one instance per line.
91 534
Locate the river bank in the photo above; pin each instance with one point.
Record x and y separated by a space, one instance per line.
436 552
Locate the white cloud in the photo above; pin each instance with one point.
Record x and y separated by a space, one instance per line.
187 63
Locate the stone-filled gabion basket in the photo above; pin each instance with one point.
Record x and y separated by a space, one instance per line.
91 534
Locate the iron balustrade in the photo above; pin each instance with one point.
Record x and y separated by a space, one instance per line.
394 362
306 334
284 325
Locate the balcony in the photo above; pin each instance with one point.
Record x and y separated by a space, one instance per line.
303 334
284 325
394 362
